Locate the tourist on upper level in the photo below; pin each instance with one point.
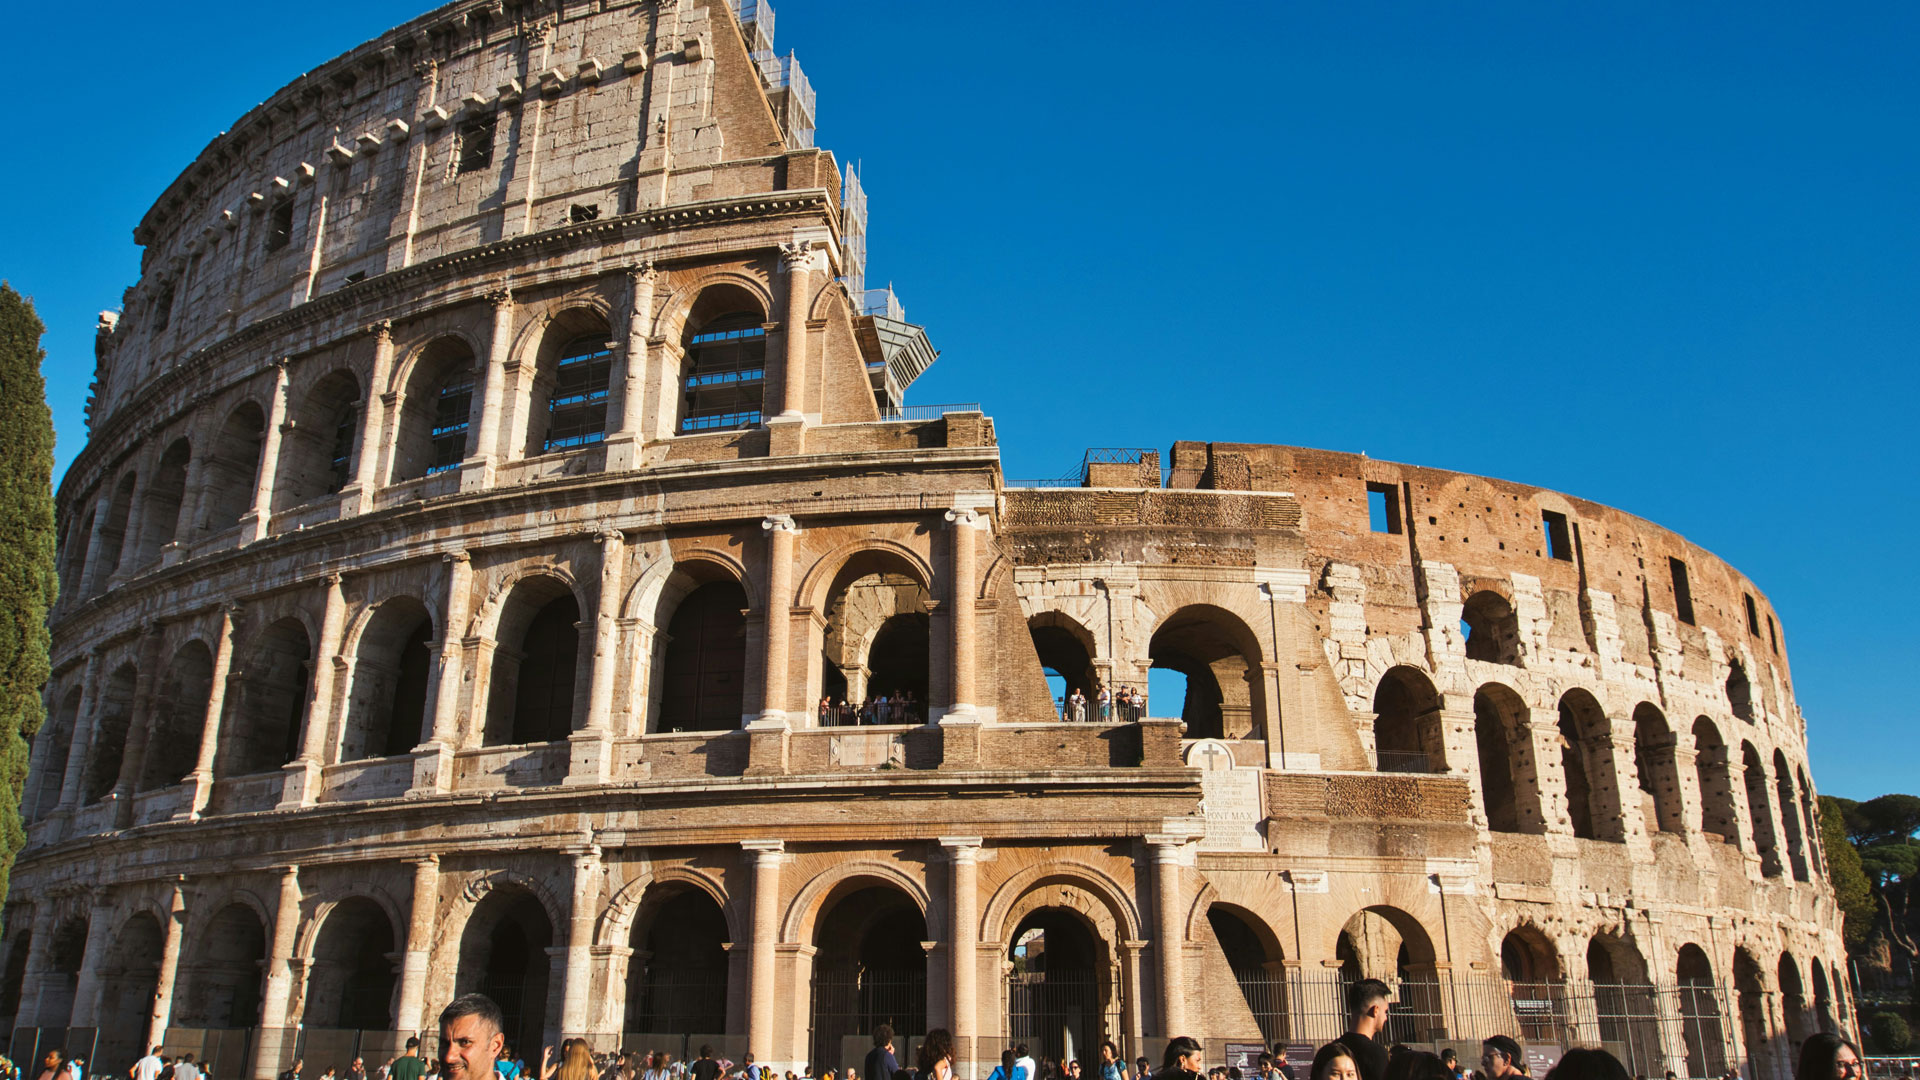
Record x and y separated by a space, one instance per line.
1106 705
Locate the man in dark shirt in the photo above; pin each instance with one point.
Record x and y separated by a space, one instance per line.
1500 1058
880 1064
706 1068
1367 1012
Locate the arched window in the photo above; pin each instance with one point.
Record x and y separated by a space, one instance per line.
1816 849
582 380
349 979
179 715
535 665
1492 629
677 980
1740 692
264 732
1711 768
112 725
1701 1027
1406 729
386 711
1220 658
1497 716
317 450
165 493
436 412
220 979
53 766
234 468
1256 965
1760 810
877 640
1625 1001
1789 815
1586 758
113 534
74 547
706 661
724 369
1655 761
503 954
1066 657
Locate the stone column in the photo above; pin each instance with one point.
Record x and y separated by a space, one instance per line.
357 498
38 949
797 261
140 732
433 760
780 530
90 582
81 744
766 856
1168 944
964 586
303 773
253 523
86 988
477 471
963 952
162 1013
623 443
592 747
201 778
276 1041
577 1003
414 961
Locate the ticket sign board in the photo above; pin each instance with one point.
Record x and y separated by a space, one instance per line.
1244 1056
1300 1059
1541 1056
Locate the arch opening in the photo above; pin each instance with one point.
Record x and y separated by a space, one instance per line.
318 449
166 492
1066 658
1718 818
1531 968
350 980
221 987
1656 763
111 729
503 954
1491 628
1497 714
1739 691
234 467
704 683
1625 1003
1256 967
13 978
1749 991
1586 760
65 956
1790 816
1220 658
179 716
264 732
870 969
535 665
1407 734
1793 1004
724 362
572 384
53 769
113 532
677 978
387 707
1701 1008
436 412
1387 943
129 975
1060 997
878 640
1760 811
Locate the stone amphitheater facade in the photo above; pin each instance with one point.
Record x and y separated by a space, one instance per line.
497 462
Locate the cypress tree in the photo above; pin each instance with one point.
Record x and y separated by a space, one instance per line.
27 581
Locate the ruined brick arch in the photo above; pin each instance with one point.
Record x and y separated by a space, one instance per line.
1593 786
829 290
1619 952
451 923
1078 885
614 925
816 585
670 315
1217 650
996 577
1528 954
1413 937
1066 646
1509 798
1493 627
486 621
803 914
1208 898
1408 735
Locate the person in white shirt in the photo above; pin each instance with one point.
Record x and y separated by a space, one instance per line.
185 1069
1023 1064
147 1068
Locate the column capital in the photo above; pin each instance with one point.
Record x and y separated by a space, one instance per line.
780 523
501 297
382 330
794 257
424 862
961 848
764 852
644 270
457 556
967 516
584 855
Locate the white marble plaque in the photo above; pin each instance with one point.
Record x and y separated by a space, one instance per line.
1230 799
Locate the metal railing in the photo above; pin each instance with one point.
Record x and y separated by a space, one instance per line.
926 412
1403 761
849 1002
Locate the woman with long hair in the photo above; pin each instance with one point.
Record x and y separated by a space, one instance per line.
1335 1062
576 1062
53 1064
1181 1061
936 1055
1827 1056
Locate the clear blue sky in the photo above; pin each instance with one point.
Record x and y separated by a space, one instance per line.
1662 256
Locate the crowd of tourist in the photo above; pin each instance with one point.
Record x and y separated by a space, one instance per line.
473 1047
898 707
1125 706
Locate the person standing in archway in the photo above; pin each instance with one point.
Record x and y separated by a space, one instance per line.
1367 1012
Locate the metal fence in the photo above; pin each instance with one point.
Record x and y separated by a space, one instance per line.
849 1002
1060 1016
1649 1028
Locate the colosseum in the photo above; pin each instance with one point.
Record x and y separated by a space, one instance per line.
503 560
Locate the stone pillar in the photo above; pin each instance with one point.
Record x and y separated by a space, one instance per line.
283 970
477 471
963 953
577 1003
140 732
433 760
964 585
303 773
766 856
162 1013
90 582
253 523
781 531
623 442
38 951
86 989
80 746
592 747
357 497
1168 944
797 261
414 961
201 778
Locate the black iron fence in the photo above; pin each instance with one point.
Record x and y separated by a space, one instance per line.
848 1003
1060 1015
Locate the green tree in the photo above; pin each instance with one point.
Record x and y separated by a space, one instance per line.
1850 886
27 580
